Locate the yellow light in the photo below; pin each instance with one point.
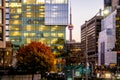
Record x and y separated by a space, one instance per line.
28 15
24 1
16 22
15 5
16 33
60 34
55 61
42 13
25 34
19 10
7 53
40 1
105 12
28 40
107 75
53 41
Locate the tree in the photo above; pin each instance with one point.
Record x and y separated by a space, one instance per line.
35 57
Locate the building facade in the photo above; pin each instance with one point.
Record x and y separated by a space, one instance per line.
74 52
93 27
106 41
2 24
37 20
117 43
112 4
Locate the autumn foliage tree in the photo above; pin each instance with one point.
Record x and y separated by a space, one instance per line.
35 57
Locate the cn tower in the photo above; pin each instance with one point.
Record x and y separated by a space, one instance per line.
70 26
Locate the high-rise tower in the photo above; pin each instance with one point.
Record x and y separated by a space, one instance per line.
70 26
38 20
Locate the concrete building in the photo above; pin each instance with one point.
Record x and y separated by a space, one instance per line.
106 41
74 52
117 43
2 32
93 28
2 24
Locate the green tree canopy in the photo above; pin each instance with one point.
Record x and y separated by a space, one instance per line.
35 57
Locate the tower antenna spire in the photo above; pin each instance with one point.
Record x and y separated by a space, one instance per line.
70 14
70 26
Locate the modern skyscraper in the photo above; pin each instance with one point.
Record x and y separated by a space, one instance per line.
37 20
106 41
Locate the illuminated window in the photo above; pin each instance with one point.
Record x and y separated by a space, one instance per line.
41 9
28 40
41 16
60 47
46 34
53 40
28 13
59 1
15 33
15 22
40 1
25 34
29 1
7 4
44 40
47 1
14 4
54 28
18 10
32 34
29 16
12 10
60 35
14 28
14 16
53 34
43 28
29 34
28 28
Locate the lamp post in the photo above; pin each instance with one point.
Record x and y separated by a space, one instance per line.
86 50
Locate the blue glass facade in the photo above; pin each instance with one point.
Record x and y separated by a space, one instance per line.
56 14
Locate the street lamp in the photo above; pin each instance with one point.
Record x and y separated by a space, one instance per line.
86 50
103 12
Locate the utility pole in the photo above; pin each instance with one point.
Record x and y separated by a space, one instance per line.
86 50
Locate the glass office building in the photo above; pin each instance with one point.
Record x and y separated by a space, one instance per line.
37 20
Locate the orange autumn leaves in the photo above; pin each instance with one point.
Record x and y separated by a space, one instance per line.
36 56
